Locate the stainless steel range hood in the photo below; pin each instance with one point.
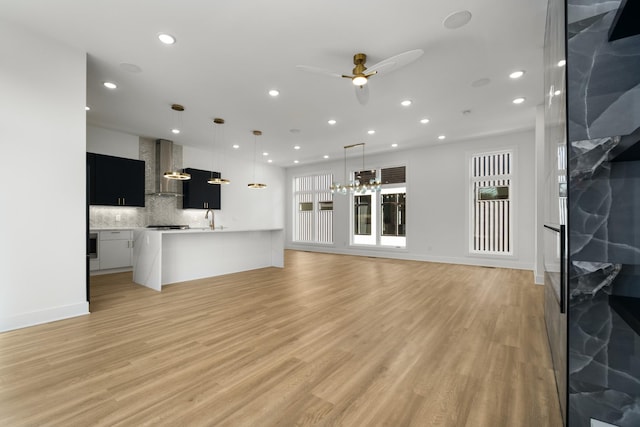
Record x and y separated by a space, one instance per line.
164 163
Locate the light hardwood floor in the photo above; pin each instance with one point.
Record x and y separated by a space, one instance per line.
330 340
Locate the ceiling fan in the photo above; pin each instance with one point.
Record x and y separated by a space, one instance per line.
360 73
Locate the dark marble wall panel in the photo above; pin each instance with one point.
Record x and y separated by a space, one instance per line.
603 107
603 92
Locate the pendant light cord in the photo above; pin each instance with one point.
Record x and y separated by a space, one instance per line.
255 148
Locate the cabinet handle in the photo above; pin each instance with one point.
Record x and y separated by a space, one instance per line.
124 201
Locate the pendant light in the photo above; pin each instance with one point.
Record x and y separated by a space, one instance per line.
356 186
218 129
254 184
174 173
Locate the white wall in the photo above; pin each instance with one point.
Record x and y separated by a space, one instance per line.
112 143
438 202
42 222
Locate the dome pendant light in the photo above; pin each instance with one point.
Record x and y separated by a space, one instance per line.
176 174
213 179
254 184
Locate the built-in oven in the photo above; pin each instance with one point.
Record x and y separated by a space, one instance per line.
93 246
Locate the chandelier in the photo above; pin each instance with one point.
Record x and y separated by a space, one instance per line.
362 181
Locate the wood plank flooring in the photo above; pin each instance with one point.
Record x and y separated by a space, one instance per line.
330 340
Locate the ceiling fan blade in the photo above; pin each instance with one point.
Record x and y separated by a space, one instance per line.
395 62
317 70
362 94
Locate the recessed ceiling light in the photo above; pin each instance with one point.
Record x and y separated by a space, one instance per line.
175 131
270 161
457 19
441 137
295 161
558 92
406 103
562 63
296 147
87 108
518 100
516 74
326 156
110 85
166 38
265 154
371 132
236 146
394 145
332 122
274 92
424 121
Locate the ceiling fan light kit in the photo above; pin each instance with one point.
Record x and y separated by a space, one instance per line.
359 80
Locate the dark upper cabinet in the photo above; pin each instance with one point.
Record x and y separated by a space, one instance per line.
115 181
197 193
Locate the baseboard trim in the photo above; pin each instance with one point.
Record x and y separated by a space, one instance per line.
477 261
110 271
39 317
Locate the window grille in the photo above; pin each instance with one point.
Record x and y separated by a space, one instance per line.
492 203
313 204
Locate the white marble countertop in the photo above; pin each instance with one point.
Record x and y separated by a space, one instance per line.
208 230
94 230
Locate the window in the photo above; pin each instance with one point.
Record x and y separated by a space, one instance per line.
313 205
393 214
379 218
306 206
491 203
362 215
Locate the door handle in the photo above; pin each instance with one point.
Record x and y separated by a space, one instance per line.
563 272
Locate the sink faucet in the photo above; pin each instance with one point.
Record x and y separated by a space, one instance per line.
212 223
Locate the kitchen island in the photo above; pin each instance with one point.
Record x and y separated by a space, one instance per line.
161 257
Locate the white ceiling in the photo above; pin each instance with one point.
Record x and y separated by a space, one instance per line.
229 53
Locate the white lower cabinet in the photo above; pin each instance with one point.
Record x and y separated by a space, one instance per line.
115 249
